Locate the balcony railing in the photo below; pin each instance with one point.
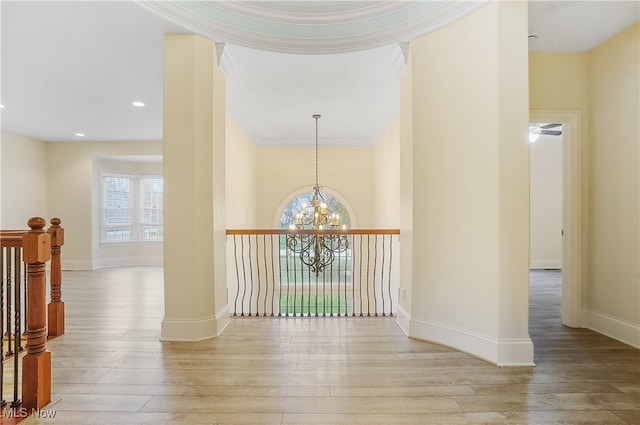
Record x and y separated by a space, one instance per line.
268 278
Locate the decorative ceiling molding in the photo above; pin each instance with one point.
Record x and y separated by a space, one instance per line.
312 12
220 50
312 27
225 60
399 60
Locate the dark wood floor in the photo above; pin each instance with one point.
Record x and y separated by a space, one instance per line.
111 368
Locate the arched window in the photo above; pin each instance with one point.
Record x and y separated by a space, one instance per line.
303 200
325 297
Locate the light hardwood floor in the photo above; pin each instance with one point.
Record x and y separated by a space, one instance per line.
111 368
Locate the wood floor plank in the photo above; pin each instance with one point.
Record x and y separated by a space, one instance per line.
482 418
301 404
111 368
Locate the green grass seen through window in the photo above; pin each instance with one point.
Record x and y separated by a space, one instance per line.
312 305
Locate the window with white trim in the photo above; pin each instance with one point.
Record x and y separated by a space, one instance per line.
131 208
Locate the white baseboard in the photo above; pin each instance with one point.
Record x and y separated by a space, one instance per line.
111 262
515 352
193 330
503 352
545 264
615 328
127 262
403 320
76 265
223 318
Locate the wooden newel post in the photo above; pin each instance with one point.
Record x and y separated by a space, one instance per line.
36 364
55 309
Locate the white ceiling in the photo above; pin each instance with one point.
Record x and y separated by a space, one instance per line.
578 26
274 95
76 66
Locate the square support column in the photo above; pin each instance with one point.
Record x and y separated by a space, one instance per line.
193 168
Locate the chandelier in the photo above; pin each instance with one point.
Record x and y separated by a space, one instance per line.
318 248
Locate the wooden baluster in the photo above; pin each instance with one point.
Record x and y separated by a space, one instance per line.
36 364
55 309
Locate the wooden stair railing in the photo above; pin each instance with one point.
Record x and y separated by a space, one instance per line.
36 364
39 246
55 309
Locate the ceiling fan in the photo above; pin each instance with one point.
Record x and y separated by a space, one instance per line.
538 129
542 128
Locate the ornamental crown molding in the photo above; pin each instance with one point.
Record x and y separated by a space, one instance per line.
312 27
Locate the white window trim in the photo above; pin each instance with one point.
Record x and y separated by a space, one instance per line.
136 208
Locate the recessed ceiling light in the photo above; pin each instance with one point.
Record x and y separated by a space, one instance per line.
79 134
137 103
1 106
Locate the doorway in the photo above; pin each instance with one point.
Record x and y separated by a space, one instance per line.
545 190
570 230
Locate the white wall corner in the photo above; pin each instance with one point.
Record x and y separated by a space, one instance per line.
621 330
192 330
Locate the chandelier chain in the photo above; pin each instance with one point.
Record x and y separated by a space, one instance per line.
317 116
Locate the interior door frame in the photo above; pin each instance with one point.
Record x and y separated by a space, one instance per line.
571 304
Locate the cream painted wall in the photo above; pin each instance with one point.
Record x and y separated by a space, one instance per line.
614 226
602 85
558 81
347 172
23 174
241 178
72 196
241 183
546 202
386 178
470 194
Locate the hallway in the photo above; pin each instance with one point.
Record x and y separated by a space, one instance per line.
111 368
